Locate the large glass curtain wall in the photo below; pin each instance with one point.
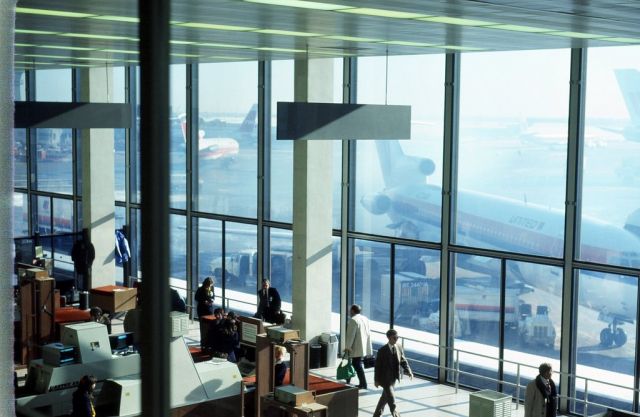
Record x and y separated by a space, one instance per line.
521 280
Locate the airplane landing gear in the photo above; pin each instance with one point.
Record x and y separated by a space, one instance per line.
613 334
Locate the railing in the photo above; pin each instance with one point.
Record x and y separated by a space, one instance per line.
457 372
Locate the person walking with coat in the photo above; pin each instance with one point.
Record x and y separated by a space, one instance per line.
390 363
540 399
358 343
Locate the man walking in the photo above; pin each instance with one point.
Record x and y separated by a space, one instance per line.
387 371
358 342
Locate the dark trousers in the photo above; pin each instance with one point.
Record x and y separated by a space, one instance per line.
388 397
362 379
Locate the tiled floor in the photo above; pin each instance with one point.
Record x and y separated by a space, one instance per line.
417 398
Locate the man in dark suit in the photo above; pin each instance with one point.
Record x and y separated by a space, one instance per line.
390 363
269 303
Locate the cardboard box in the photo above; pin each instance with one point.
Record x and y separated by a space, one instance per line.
113 298
292 395
280 334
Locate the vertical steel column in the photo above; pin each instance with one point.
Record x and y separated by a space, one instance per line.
154 129
449 174
30 151
131 174
348 171
501 323
192 164
264 161
572 217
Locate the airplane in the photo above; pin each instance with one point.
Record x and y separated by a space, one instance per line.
414 208
223 149
553 132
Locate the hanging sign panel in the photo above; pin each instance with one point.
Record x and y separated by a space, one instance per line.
336 121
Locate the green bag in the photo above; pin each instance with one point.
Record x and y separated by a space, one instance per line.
345 369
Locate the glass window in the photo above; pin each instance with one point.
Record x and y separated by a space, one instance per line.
19 85
54 156
416 301
120 222
476 319
398 184
241 267
605 330
281 158
20 152
178 251
177 147
513 151
119 85
228 139
370 272
610 222
120 164
209 254
20 215
281 264
53 85
62 215
42 215
533 309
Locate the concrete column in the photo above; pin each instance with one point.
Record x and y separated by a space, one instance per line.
312 209
96 85
7 25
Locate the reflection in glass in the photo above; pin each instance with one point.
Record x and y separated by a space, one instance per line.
120 222
513 151
227 139
209 262
476 318
54 154
62 215
533 308
120 165
416 299
610 223
20 153
177 251
20 215
19 85
281 186
605 337
177 147
240 267
398 183
280 264
371 278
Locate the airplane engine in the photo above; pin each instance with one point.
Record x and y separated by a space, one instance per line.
376 204
426 166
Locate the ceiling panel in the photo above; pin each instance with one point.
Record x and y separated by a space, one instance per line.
284 29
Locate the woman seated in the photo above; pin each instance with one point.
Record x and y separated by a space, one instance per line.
225 340
280 368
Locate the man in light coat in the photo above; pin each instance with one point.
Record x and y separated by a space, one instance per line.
358 342
540 399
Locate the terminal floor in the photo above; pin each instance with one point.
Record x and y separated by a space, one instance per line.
417 398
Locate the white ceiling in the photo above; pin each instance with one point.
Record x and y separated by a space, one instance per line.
564 24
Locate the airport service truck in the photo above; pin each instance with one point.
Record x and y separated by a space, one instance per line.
477 302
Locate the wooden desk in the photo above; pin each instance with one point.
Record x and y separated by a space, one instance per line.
267 402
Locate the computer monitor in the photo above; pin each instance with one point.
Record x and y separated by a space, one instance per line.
121 342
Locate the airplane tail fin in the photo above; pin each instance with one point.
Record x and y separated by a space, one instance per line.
249 122
183 127
629 83
399 168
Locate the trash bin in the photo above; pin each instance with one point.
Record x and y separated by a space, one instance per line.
84 300
331 353
488 403
315 353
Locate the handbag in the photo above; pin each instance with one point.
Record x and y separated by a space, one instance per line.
345 369
369 361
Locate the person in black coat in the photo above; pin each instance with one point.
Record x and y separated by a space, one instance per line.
83 397
204 297
390 362
269 303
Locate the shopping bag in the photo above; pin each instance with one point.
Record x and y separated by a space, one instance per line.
345 369
369 361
